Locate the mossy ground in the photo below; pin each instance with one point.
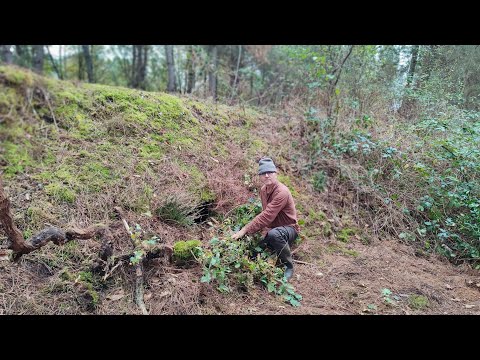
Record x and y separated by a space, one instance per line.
98 147
71 152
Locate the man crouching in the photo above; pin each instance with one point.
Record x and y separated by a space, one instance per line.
278 217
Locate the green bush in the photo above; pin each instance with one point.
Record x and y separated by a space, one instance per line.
319 180
178 210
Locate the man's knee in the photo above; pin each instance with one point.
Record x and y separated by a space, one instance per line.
271 234
273 237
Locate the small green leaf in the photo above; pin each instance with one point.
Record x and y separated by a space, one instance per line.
386 292
206 278
294 302
223 288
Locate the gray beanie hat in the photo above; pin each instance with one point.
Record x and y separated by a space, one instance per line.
265 165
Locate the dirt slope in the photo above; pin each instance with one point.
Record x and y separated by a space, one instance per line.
71 152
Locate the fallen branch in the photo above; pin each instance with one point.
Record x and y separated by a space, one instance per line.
303 262
49 106
19 246
138 267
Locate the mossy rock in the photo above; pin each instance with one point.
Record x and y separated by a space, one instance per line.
418 302
184 251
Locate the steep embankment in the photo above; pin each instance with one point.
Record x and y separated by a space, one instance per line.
70 153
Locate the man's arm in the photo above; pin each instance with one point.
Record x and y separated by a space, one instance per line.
265 218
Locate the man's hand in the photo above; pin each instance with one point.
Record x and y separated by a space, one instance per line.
239 234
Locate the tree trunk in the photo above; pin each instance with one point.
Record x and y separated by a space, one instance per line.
64 62
19 50
139 66
5 54
172 83
142 71
60 60
133 75
38 59
88 62
80 66
408 104
190 69
55 67
413 64
212 72
332 85
234 89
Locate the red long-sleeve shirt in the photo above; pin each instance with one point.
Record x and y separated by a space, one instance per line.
278 209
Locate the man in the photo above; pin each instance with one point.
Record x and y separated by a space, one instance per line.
278 217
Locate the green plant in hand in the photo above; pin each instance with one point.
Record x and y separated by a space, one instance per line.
243 263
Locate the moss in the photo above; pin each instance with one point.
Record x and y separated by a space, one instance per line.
93 294
138 199
40 213
160 111
8 98
314 216
95 176
319 180
418 302
72 94
48 157
89 297
86 129
69 115
219 150
336 248
184 250
206 195
69 251
198 183
65 173
86 276
60 192
62 176
105 147
17 157
67 275
14 133
151 151
16 76
365 240
344 234
57 287
350 252
84 154
285 180
27 234
327 229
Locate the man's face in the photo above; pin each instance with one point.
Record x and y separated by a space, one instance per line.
268 178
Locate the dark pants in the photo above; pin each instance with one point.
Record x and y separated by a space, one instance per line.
280 239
